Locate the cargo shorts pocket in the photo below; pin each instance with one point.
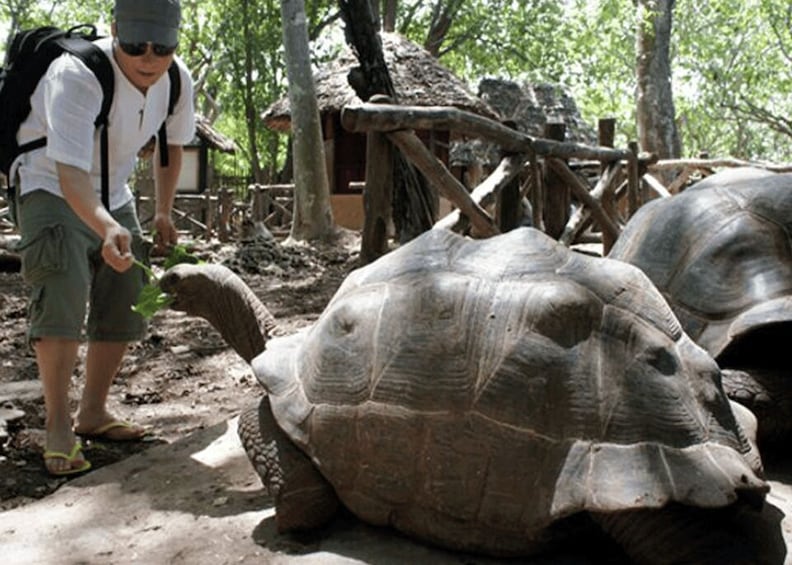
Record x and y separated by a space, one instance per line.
43 253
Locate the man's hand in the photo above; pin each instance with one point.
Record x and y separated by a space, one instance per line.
165 234
117 248
80 195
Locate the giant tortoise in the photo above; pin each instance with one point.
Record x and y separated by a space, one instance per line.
721 254
496 396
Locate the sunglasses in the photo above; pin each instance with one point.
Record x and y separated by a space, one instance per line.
139 49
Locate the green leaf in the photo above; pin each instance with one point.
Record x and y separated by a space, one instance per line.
151 299
146 269
180 254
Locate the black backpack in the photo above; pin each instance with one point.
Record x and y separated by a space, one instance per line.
28 57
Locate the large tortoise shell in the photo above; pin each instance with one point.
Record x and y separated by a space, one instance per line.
720 252
482 390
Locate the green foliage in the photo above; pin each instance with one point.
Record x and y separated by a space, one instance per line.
728 59
152 299
731 86
599 40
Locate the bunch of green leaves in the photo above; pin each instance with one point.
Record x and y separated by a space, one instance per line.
152 299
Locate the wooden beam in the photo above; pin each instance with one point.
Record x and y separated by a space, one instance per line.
680 181
389 117
435 172
581 191
657 187
604 190
664 164
537 193
377 197
633 181
557 195
485 193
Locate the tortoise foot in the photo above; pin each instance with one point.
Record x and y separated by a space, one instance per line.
767 394
303 498
740 534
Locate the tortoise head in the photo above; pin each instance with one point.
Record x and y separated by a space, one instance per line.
217 294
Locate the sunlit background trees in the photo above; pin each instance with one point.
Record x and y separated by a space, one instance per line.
730 61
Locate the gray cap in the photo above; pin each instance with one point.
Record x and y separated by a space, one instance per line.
142 21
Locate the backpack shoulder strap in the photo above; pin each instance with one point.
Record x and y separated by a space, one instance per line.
96 60
175 91
175 86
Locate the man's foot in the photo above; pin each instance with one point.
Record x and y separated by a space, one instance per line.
114 430
59 464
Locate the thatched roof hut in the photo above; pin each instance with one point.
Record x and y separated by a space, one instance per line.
197 171
418 78
529 107
213 138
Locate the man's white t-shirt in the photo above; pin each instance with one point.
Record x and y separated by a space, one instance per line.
64 108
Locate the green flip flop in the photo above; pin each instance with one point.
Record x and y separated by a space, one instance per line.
74 455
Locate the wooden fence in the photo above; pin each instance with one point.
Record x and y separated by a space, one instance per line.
575 191
546 171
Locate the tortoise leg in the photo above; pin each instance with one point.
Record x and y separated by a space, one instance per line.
740 534
766 392
303 498
749 426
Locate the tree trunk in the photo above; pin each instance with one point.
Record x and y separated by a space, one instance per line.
312 216
657 131
388 15
251 108
413 205
443 14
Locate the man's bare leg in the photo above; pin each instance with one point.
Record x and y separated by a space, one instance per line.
56 358
101 366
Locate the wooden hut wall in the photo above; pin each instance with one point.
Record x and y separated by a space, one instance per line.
350 157
346 153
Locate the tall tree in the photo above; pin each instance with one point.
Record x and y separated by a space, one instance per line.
312 216
655 116
414 203
731 79
388 15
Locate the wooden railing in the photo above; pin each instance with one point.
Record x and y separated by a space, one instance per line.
606 185
545 167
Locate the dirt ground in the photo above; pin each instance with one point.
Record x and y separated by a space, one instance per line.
181 378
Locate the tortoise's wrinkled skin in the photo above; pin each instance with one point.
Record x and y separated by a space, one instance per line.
500 396
721 254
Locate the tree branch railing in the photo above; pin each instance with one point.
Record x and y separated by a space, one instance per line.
388 117
398 123
623 172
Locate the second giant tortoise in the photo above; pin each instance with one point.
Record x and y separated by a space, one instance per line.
721 254
497 396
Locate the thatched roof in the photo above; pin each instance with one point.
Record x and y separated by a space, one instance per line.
215 139
531 106
419 80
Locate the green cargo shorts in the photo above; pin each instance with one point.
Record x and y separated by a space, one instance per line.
62 263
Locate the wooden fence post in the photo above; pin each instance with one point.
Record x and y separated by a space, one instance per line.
210 211
377 197
606 137
508 206
537 193
226 204
633 180
557 196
